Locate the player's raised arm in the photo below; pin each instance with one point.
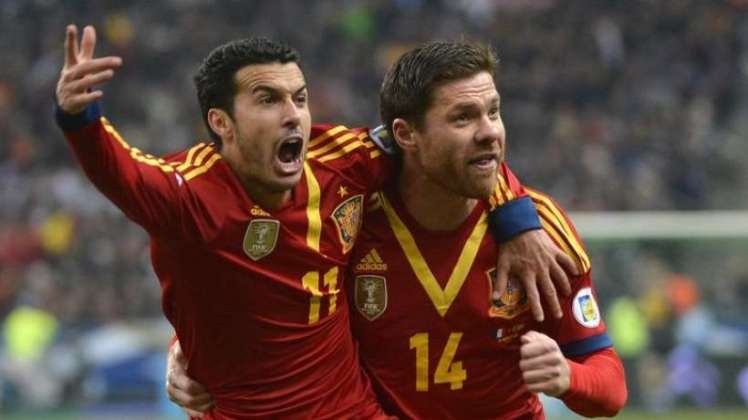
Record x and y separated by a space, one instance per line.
81 72
152 192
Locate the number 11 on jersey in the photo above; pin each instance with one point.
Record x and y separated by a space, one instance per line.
311 282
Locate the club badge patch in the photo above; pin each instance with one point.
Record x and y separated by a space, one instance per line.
585 308
347 217
260 238
370 296
512 303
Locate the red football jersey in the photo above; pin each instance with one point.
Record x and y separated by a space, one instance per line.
254 296
433 342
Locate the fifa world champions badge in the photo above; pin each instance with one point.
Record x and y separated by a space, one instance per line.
370 296
584 308
260 238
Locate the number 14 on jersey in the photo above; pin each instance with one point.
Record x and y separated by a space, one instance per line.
447 370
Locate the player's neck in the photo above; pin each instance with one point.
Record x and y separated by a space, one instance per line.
431 205
267 200
260 195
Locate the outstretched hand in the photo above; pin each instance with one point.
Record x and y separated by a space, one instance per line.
539 264
82 72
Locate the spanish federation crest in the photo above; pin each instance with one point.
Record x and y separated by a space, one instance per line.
585 308
347 217
370 296
260 238
512 303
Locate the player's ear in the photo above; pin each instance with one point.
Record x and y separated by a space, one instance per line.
403 133
221 123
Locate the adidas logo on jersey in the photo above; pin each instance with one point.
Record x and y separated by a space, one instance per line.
371 262
257 211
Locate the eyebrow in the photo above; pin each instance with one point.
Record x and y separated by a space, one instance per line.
469 106
270 89
462 106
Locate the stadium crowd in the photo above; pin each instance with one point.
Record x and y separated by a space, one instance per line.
611 106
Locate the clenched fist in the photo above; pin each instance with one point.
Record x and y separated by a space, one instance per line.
544 368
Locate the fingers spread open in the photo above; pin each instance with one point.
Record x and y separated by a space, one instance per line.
88 43
93 66
560 279
567 263
75 103
531 289
90 80
502 278
71 46
550 295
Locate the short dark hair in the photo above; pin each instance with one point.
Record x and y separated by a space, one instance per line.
215 83
409 84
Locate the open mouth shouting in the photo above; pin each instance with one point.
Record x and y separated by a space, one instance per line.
288 155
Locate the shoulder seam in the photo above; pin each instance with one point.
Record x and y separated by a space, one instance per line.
558 227
190 158
332 145
203 162
135 153
502 193
331 132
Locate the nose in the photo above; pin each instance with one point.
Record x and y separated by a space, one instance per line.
291 114
489 131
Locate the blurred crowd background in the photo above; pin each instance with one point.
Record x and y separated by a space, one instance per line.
609 106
